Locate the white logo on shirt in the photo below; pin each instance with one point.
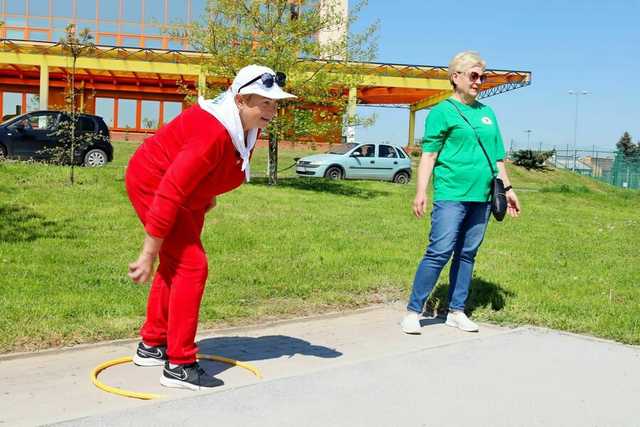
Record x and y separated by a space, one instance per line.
486 120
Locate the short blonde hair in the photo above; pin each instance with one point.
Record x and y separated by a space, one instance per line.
463 61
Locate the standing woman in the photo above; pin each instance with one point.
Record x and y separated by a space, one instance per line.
461 181
172 181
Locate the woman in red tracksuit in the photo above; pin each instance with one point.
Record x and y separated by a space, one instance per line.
172 181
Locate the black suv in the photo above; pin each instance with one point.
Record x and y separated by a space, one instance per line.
35 136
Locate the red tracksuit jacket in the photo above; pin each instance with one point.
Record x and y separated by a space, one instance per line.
185 164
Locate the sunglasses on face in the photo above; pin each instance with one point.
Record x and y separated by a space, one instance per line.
474 76
268 80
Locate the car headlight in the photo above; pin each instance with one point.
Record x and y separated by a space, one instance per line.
308 164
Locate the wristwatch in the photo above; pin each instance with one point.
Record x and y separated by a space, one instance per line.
507 188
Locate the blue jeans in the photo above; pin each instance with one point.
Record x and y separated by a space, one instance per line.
456 228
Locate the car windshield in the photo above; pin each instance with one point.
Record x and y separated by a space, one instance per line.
342 149
13 118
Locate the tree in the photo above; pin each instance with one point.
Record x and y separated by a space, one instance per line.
284 35
628 149
74 45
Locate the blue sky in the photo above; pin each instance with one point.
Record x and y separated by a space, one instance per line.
583 45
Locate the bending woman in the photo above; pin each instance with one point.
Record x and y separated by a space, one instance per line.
172 181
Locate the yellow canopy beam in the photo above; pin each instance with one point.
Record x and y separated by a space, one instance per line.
431 101
128 65
124 65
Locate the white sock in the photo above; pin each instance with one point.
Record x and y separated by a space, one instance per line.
172 366
146 346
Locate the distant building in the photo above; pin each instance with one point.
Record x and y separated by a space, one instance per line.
135 77
571 163
599 165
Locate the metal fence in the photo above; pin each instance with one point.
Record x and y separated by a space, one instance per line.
611 167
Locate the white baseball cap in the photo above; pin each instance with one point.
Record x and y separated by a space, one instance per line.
249 80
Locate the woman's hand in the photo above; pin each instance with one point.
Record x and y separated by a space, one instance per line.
140 271
513 204
419 204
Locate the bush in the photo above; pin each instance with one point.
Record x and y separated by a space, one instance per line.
530 159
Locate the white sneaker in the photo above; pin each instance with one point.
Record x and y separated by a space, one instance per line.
411 323
459 320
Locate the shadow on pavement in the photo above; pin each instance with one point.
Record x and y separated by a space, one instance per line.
248 349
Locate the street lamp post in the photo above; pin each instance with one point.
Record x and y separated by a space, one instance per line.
528 132
577 94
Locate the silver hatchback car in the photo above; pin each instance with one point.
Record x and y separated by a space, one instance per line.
359 161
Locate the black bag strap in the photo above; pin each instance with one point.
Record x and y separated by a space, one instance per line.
493 172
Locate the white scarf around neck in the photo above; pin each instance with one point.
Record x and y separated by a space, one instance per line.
224 109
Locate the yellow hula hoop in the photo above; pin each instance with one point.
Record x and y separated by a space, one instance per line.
148 396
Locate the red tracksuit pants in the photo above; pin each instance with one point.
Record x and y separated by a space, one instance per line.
178 285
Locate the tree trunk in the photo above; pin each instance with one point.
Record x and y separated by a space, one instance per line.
73 117
273 159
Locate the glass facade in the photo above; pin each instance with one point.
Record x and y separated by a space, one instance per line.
128 23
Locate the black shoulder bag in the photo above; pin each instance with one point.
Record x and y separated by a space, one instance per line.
498 197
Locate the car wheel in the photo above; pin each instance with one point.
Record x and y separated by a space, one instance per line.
95 158
333 172
3 152
401 177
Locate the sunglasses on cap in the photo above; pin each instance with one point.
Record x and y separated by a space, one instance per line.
268 80
474 76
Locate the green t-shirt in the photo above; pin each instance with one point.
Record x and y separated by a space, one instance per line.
461 172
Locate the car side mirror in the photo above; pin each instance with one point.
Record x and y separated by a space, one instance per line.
356 154
20 127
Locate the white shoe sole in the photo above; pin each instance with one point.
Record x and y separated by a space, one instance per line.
455 324
168 382
147 361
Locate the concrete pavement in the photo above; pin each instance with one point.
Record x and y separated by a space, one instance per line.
349 369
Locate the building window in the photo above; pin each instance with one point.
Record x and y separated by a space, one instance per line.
108 11
42 23
150 114
11 103
86 9
171 109
126 113
62 8
39 7
33 102
42 36
15 34
153 43
16 7
154 12
177 11
104 109
130 42
107 41
132 11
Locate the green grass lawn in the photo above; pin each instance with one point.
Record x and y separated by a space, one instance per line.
308 246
